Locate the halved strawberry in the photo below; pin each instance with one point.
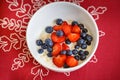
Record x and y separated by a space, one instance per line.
65 47
73 37
56 38
76 29
71 61
59 60
57 27
64 23
66 29
56 49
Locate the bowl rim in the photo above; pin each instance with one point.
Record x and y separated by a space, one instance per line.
93 52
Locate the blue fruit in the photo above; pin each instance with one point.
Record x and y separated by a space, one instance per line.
44 46
84 30
89 38
63 52
40 51
77 46
84 46
84 42
88 42
65 66
81 26
49 49
59 33
83 35
59 21
83 57
49 54
74 23
77 57
39 42
80 41
49 29
81 52
67 41
69 52
86 52
49 42
74 51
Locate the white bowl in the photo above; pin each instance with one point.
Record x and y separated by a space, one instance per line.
45 17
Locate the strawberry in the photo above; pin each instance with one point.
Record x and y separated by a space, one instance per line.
66 29
59 60
56 49
65 47
71 61
73 37
76 29
57 27
56 38
64 23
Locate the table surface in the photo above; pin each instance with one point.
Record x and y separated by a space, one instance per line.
16 63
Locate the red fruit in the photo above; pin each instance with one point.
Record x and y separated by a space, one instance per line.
57 27
76 29
71 61
66 29
73 37
64 23
65 47
59 60
56 49
57 39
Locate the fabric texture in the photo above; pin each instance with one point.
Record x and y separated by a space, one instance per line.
16 63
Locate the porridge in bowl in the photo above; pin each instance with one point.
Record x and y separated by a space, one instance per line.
65 44
62 36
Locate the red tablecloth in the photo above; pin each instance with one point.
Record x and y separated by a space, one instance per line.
17 64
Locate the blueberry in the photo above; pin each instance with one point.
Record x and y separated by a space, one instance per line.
49 29
59 33
63 52
86 52
49 49
74 51
81 26
83 35
44 46
88 42
89 38
69 52
59 21
49 42
77 57
65 66
80 41
84 42
81 52
49 54
67 41
84 30
39 42
74 23
84 46
77 46
40 51
83 57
